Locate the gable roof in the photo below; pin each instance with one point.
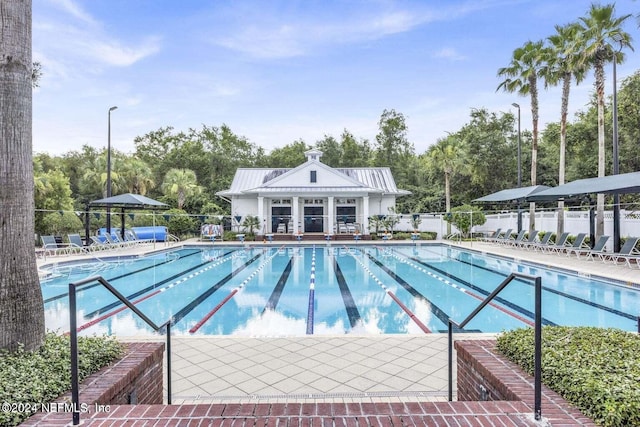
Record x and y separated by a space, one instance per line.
282 180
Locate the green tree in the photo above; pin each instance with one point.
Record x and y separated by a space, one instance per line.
21 304
465 217
393 149
179 184
563 64
251 223
521 76
354 153
137 175
447 157
600 28
288 156
52 193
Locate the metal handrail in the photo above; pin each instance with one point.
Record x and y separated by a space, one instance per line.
537 337
73 333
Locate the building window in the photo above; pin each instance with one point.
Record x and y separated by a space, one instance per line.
313 176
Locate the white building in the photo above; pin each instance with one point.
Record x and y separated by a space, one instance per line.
313 197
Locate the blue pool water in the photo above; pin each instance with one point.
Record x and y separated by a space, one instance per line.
270 291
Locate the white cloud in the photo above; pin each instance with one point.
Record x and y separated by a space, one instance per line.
449 53
112 52
72 8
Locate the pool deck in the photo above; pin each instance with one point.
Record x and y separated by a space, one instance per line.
393 370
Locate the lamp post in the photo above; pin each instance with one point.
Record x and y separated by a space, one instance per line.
616 165
109 167
519 167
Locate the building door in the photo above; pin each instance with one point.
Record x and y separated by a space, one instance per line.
313 219
281 219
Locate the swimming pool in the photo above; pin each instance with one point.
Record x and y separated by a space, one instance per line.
361 289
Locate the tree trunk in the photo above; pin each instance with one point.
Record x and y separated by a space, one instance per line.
566 87
21 305
599 72
533 90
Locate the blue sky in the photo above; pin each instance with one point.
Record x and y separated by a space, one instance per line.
279 71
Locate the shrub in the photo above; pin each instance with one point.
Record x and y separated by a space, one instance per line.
596 369
43 375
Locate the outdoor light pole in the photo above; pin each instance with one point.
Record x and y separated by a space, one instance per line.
616 165
519 167
109 167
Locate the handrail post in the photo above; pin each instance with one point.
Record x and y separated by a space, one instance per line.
169 362
538 351
73 338
450 361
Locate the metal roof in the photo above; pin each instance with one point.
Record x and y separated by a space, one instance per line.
251 180
622 183
512 194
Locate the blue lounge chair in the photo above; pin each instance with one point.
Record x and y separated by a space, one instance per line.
578 243
531 238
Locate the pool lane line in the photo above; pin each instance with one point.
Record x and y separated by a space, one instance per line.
216 261
347 297
274 298
312 286
544 288
478 289
411 315
196 302
468 292
208 316
557 292
84 288
156 292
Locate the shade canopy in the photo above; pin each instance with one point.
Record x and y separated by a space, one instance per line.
129 200
512 194
622 183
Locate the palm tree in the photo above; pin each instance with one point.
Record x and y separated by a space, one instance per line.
21 304
446 156
138 175
181 184
600 27
562 66
521 76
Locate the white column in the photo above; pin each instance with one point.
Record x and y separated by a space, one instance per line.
331 216
365 215
295 215
263 222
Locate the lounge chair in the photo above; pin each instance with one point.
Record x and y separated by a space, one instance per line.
132 237
504 237
492 236
516 240
544 241
51 247
76 244
115 241
597 249
533 235
627 253
98 245
578 243
560 243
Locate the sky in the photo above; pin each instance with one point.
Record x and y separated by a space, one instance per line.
278 71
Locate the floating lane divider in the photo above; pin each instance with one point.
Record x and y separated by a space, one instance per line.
156 292
463 290
406 309
202 321
312 287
